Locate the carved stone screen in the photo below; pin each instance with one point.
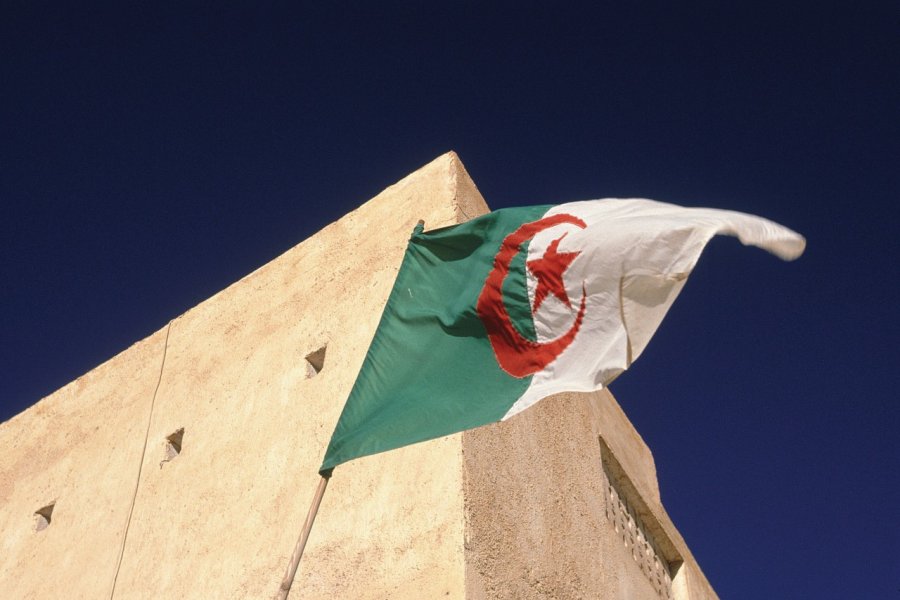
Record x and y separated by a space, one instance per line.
634 535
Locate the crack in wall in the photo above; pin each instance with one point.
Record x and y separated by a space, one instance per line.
137 482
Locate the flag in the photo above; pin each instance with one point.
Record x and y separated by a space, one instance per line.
492 315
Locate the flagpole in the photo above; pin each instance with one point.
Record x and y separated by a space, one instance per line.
285 588
288 580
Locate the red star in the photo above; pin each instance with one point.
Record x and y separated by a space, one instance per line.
549 270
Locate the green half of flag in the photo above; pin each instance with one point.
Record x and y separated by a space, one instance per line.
430 370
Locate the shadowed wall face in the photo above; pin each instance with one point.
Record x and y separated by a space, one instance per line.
562 501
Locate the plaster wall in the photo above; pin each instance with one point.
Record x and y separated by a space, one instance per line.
515 510
78 448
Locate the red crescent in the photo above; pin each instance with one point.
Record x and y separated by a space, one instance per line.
517 355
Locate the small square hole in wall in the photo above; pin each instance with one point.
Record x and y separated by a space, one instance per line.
42 517
173 445
315 362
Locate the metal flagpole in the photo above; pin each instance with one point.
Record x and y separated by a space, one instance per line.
285 588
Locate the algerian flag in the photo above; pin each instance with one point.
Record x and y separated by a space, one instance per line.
490 316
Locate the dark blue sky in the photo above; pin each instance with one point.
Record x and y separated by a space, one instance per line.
150 156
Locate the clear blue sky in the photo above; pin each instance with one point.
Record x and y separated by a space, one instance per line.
151 156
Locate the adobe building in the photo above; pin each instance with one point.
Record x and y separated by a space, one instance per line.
184 466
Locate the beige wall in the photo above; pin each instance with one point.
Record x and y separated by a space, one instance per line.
79 447
511 511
